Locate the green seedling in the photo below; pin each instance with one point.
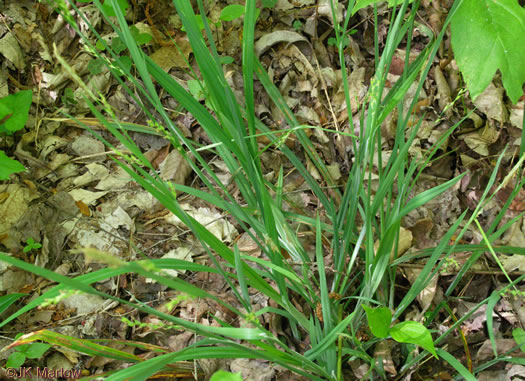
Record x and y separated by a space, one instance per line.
68 97
297 25
333 42
31 245
411 332
26 351
14 111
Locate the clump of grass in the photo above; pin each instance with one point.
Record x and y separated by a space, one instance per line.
364 254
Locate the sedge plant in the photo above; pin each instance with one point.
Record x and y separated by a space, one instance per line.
361 223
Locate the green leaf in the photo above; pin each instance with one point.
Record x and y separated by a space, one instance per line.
15 360
269 3
195 88
36 350
108 7
31 244
100 45
488 35
140 38
118 45
14 110
221 375
379 320
144 38
519 337
69 96
414 333
360 4
200 23
232 12
126 63
225 60
95 66
8 166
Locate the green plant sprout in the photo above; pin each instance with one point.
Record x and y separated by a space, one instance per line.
31 245
411 332
25 351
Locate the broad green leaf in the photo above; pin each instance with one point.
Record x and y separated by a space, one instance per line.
195 88
221 375
269 3
108 8
126 63
488 35
100 45
140 38
200 23
232 12
414 333
36 350
360 4
235 11
15 360
519 337
379 320
8 166
225 60
14 110
118 45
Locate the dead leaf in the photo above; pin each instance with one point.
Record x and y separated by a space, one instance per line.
168 57
10 49
175 168
490 102
270 39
